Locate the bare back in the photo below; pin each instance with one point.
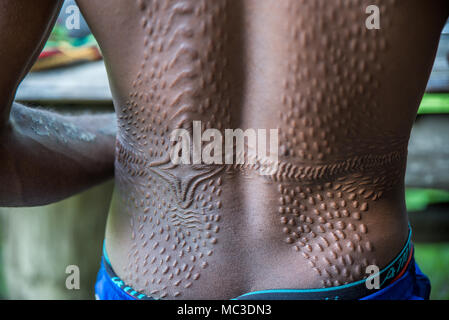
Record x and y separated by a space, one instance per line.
343 97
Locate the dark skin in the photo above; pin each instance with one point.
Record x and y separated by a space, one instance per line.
343 98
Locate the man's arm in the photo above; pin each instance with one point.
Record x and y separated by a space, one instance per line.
44 156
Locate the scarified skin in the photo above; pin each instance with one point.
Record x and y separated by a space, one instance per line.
324 223
178 83
320 122
325 220
334 202
47 125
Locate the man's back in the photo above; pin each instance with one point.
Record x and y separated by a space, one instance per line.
343 98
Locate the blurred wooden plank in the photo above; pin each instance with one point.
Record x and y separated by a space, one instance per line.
439 78
83 83
428 157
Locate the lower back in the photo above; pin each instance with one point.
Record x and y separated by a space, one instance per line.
222 231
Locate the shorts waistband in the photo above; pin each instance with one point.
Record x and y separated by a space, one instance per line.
351 291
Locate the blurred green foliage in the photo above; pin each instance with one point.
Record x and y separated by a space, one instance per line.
60 37
419 199
433 260
434 103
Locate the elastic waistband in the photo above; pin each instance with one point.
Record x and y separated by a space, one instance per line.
119 283
351 291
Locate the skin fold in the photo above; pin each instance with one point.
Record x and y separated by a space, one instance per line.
343 98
